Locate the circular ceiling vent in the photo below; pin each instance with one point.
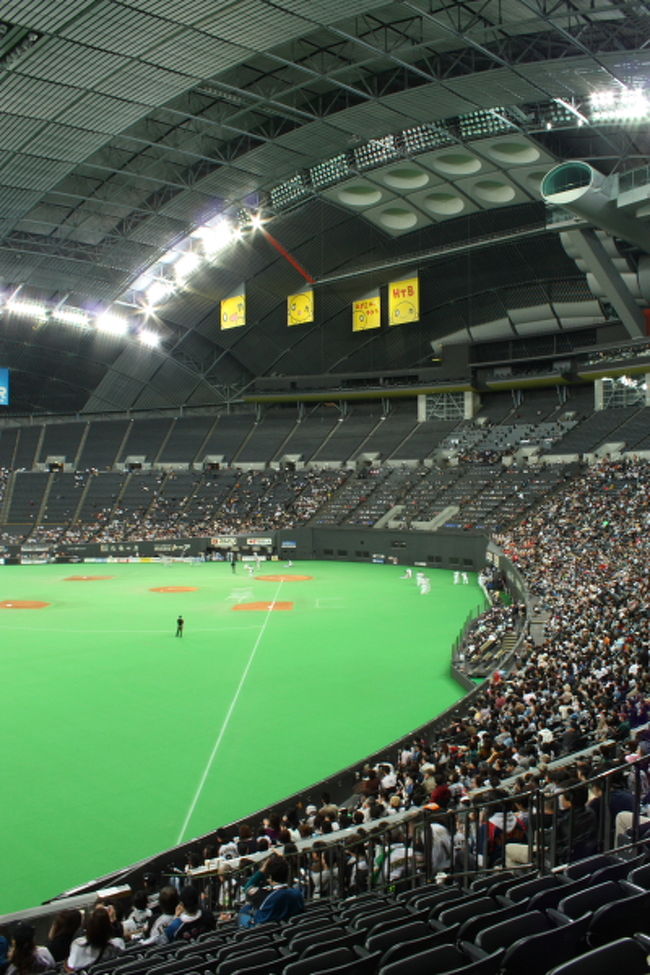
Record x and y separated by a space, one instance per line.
493 191
514 152
359 195
443 204
398 218
456 163
405 178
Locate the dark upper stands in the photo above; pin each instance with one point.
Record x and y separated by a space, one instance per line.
102 443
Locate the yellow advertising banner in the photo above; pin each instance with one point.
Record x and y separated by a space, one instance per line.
366 313
233 311
300 308
404 301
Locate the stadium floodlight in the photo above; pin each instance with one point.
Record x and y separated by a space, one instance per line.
28 309
158 290
71 316
170 256
186 265
111 324
622 105
148 338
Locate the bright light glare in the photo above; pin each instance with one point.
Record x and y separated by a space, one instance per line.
256 221
30 309
624 105
215 236
158 291
169 257
186 265
111 323
71 316
143 281
149 338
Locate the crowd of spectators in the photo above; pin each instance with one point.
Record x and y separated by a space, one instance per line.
573 708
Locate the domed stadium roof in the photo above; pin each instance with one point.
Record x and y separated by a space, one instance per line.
371 139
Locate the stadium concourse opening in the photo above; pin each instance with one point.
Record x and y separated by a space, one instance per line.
118 720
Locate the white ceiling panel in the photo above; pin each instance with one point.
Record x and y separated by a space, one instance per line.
57 59
17 130
196 53
116 27
32 172
150 83
256 25
14 202
31 96
43 15
101 113
64 142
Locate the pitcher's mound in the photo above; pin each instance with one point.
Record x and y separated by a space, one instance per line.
262 607
175 589
283 578
86 578
22 604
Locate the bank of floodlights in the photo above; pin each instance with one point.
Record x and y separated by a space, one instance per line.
75 317
620 105
112 323
377 152
330 171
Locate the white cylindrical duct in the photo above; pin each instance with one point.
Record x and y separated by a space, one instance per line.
580 188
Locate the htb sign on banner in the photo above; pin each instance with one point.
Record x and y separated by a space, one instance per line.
404 301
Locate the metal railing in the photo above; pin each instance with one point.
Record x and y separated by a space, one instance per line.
543 833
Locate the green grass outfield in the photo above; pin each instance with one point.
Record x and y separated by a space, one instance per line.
119 739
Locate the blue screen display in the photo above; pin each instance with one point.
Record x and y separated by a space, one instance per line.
4 387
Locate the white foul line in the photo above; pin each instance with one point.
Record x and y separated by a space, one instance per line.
226 720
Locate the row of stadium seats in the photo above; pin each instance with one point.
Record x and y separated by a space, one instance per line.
242 438
594 913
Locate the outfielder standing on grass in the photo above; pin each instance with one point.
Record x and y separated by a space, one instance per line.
180 623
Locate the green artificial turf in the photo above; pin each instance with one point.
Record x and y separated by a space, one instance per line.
121 739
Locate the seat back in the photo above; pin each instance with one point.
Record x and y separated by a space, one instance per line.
552 896
620 918
624 955
360 966
523 891
536 953
381 940
575 905
469 929
640 876
438 896
321 961
507 932
483 966
615 871
366 921
484 883
404 949
439 959
589 865
348 940
461 911
298 940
